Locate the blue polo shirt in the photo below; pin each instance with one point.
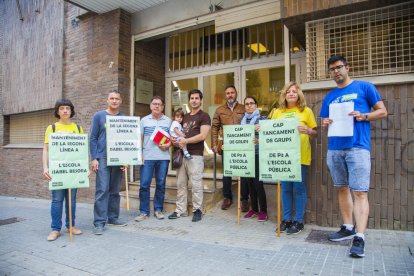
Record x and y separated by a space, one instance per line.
150 150
365 96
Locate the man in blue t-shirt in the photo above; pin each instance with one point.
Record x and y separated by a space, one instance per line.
108 178
348 157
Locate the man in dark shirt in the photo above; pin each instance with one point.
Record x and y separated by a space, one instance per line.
196 126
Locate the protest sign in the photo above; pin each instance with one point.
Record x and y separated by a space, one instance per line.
238 150
123 138
279 151
68 161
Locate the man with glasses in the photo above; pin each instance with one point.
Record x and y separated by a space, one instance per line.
348 157
156 158
196 125
231 113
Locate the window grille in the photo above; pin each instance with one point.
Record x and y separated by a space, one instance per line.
29 128
205 47
375 42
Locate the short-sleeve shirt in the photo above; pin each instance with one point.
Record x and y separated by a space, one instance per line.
306 118
192 126
364 95
175 125
62 128
150 150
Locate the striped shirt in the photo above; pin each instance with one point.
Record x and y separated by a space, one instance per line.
150 150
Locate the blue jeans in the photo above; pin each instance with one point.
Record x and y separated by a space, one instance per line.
287 197
108 184
56 208
160 167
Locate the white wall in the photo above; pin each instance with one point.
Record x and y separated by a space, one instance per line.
175 11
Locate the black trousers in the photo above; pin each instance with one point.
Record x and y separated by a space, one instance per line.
256 189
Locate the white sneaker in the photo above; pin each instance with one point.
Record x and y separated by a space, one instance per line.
141 217
159 215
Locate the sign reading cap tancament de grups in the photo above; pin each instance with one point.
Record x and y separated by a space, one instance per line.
279 151
123 141
68 161
238 150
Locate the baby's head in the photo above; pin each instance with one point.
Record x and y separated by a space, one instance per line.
178 115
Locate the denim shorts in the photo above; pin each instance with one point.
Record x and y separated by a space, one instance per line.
350 167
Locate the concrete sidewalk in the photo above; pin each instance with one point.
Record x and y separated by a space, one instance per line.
214 246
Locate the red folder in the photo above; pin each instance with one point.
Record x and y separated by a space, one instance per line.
160 137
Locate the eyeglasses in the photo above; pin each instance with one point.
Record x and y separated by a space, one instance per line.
336 68
248 104
157 104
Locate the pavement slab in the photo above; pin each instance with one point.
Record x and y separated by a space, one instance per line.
215 245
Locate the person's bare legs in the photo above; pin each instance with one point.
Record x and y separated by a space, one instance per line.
345 204
361 211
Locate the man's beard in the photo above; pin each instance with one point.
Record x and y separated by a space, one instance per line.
231 101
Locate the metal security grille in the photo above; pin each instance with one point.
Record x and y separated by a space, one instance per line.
204 47
29 128
375 42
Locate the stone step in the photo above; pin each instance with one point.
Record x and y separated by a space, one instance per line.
211 195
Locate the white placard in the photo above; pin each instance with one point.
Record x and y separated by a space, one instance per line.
123 141
342 123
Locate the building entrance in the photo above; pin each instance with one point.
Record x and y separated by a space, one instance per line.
263 81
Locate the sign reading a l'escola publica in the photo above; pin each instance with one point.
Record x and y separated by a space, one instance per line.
238 151
123 141
279 151
68 161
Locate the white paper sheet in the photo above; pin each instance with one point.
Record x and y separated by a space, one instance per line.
343 124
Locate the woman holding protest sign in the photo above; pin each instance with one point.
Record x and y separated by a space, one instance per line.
256 189
292 104
64 111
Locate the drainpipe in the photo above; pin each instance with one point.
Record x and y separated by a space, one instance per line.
286 50
131 95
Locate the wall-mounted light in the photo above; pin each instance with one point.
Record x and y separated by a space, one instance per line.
257 48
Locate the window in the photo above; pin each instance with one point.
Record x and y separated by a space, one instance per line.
205 47
375 42
29 128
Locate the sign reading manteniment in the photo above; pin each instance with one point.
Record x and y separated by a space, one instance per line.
123 141
68 161
279 151
238 150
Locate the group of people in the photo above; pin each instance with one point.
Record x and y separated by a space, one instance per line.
348 157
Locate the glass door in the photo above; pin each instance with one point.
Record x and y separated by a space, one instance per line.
264 83
212 85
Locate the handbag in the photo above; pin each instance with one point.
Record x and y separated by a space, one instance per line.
220 142
177 158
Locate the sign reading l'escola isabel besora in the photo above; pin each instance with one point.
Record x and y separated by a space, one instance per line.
279 151
123 141
238 150
68 161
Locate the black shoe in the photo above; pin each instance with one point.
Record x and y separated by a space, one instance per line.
295 228
174 216
358 248
342 234
117 222
197 215
284 225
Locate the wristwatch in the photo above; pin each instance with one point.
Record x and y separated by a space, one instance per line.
366 116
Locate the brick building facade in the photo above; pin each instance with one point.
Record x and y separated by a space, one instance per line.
90 54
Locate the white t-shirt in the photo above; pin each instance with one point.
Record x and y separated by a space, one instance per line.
174 125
